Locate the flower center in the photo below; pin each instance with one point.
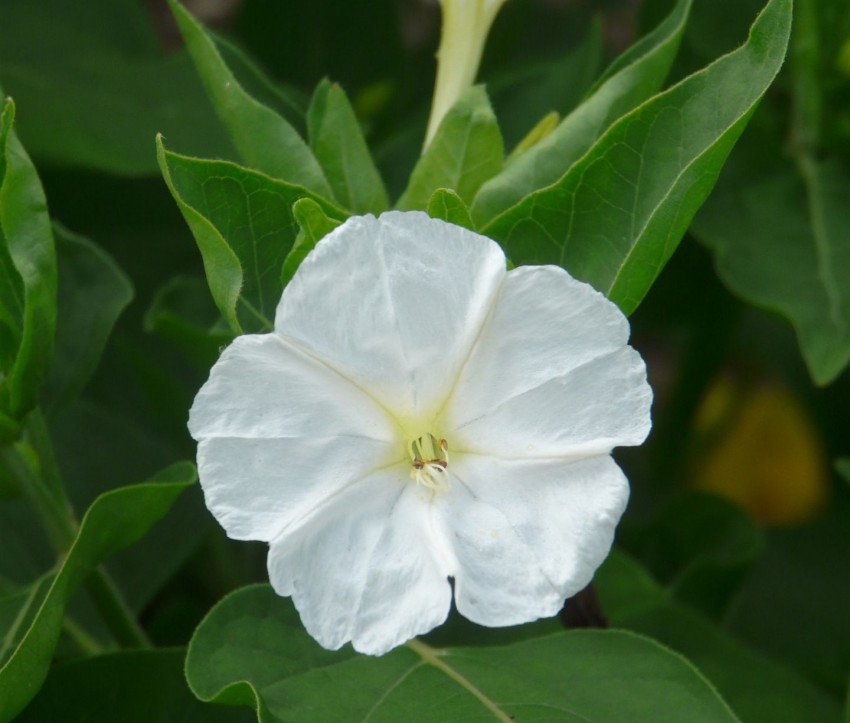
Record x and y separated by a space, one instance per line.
429 460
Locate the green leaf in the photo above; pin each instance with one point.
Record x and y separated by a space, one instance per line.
781 242
465 152
289 101
632 78
759 689
339 146
264 139
445 204
183 313
618 214
314 225
252 650
93 291
243 224
27 276
137 686
94 86
114 521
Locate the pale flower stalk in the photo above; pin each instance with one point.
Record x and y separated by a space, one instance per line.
465 26
423 424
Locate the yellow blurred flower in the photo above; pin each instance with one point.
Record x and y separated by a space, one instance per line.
761 451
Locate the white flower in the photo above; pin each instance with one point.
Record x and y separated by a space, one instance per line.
420 414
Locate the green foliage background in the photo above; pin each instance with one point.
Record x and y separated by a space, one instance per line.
110 319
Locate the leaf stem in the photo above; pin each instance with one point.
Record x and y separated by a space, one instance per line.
21 462
432 657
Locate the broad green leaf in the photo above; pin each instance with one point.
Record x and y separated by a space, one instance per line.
289 101
465 152
314 224
183 313
27 276
701 547
264 139
93 86
618 214
759 689
339 145
782 242
252 650
137 686
114 521
243 224
632 78
93 291
445 204
843 467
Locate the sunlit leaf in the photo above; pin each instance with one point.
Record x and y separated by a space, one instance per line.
618 214
265 140
314 224
632 78
446 205
339 145
466 150
243 224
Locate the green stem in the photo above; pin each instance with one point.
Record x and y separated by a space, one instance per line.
115 611
807 108
29 471
58 521
84 641
38 435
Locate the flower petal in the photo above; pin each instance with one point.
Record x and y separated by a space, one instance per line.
262 387
364 569
550 374
409 295
257 488
527 534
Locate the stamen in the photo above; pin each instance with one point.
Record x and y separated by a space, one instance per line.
429 460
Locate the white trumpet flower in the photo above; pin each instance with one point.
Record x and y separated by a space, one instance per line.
465 26
420 415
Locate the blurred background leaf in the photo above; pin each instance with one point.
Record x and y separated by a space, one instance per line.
131 687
